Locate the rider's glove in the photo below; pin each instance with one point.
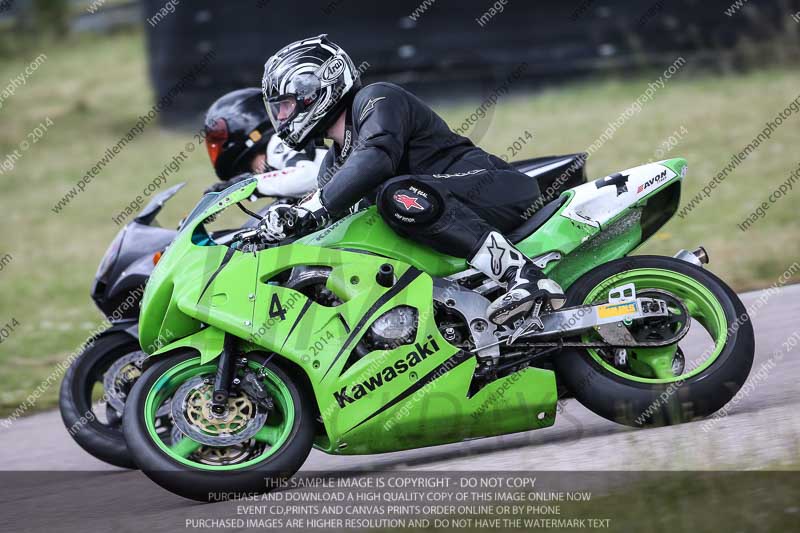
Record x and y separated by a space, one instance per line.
274 221
282 220
222 185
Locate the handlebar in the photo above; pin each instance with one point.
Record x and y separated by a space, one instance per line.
250 236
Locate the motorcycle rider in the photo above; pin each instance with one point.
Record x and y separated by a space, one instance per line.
430 184
241 143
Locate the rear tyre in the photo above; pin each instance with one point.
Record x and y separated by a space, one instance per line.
647 391
277 443
99 433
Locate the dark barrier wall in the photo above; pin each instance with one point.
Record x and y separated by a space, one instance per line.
428 42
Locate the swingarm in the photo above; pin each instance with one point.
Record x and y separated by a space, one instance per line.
612 321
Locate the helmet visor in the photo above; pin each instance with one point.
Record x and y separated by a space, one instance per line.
282 110
216 137
300 94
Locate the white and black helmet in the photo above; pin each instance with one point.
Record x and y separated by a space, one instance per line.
306 85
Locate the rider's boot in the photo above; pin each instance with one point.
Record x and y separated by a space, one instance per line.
525 283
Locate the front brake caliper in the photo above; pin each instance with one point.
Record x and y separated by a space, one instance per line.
253 387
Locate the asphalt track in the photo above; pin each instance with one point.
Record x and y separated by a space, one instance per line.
761 430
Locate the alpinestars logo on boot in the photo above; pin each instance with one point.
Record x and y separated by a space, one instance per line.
387 374
497 256
408 202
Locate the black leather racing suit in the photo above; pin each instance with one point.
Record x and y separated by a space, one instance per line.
429 183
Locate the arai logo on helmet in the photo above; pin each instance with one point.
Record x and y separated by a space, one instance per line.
652 181
332 70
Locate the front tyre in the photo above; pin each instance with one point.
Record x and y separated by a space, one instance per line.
661 386
208 457
106 369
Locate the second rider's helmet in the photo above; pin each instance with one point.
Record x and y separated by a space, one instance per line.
306 85
237 129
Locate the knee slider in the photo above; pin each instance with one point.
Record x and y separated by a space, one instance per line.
409 202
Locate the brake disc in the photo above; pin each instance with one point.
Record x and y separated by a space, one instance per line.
217 455
120 377
192 415
213 455
236 453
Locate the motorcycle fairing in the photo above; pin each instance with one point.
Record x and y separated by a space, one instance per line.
408 396
598 202
412 395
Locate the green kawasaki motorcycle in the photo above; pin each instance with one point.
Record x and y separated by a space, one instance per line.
357 341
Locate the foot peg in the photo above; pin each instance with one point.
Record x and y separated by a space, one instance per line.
531 323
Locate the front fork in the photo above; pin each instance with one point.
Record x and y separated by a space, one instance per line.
227 369
212 343
230 363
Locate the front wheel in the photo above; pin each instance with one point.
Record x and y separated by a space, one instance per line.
672 384
208 456
93 395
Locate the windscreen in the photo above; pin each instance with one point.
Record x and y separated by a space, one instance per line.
236 192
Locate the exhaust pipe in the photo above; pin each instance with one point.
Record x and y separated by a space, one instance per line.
698 257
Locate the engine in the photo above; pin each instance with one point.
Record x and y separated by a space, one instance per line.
396 327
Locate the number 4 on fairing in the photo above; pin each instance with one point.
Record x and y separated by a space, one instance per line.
275 308
410 359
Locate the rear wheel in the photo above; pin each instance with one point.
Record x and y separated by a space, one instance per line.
672 384
207 455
